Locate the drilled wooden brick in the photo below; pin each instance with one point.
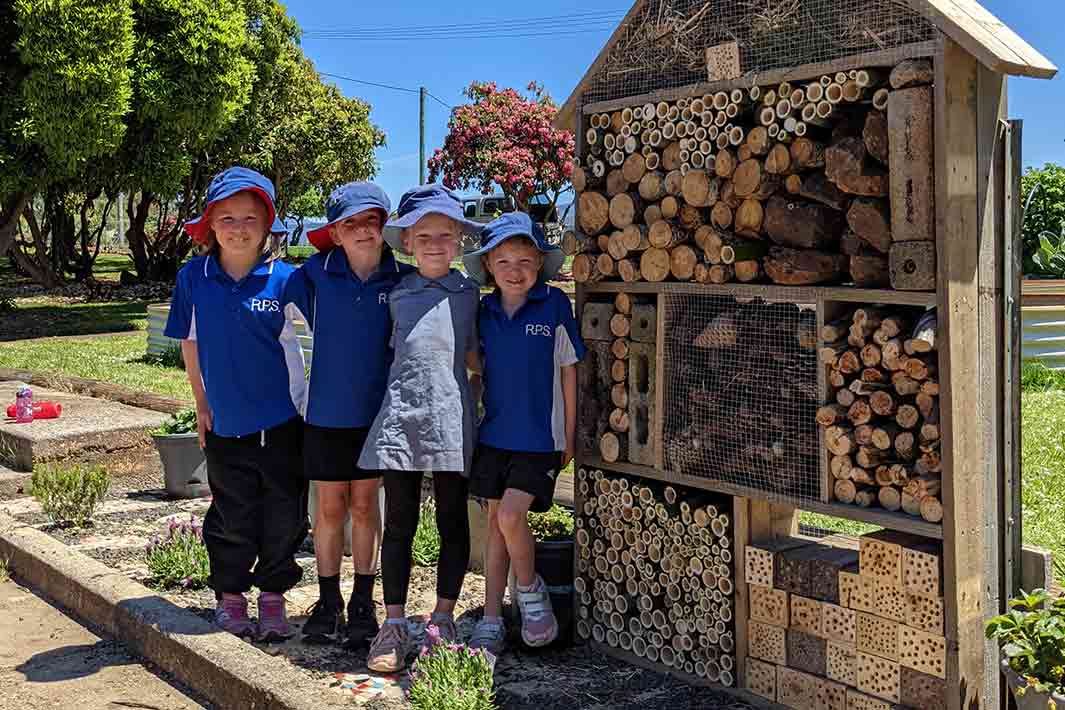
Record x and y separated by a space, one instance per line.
857 592
806 615
841 663
923 651
768 605
767 642
825 567
881 556
760 559
762 679
806 652
925 613
829 695
878 636
922 569
861 701
920 690
838 623
795 688
793 569
891 601
878 676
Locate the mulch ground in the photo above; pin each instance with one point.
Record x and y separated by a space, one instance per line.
572 678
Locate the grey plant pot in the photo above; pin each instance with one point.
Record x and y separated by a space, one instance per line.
1031 700
184 465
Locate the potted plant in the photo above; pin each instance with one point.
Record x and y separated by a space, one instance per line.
553 532
1032 638
184 466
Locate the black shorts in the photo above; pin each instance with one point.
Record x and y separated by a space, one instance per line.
332 455
496 470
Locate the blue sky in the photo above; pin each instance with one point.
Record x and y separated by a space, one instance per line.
512 50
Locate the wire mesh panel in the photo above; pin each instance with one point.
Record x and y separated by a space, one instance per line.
664 45
742 393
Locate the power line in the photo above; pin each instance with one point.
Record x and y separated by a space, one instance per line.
368 83
439 101
492 23
495 35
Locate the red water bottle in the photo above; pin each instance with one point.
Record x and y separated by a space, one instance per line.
41 410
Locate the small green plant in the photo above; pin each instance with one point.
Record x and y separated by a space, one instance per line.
69 494
7 305
171 357
553 526
178 558
426 549
451 676
1037 377
5 569
1032 638
183 422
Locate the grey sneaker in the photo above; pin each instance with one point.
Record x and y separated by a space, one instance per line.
388 652
538 624
490 636
231 615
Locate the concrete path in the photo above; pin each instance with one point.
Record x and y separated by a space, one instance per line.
50 662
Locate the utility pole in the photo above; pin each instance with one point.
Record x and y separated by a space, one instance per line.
421 134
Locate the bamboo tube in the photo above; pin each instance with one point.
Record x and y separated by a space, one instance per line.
612 638
834 94
767 116
769 98
880 99
651 654
754 93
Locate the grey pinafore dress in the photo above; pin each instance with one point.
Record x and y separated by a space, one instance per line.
426 422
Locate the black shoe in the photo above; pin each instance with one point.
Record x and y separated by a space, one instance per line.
324 623
362 624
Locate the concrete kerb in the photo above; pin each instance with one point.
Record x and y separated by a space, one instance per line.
229 672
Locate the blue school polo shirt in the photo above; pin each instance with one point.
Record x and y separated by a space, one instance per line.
350 326
524 409
250 357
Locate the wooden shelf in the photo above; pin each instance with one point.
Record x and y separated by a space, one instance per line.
886 58
872 516
786 294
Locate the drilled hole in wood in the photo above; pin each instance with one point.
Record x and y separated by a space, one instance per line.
642 380
642 429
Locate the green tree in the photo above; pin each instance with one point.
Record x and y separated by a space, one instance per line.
1043 191
65 87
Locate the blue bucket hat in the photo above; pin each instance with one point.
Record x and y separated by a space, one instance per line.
226 184
421 201
513 224
345 201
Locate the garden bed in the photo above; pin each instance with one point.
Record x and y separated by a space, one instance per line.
136 507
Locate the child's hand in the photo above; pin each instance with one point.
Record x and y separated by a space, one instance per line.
567 456
203 424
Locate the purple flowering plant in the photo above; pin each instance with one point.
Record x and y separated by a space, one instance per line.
450 675
178 557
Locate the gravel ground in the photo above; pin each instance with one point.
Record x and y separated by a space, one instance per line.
575 678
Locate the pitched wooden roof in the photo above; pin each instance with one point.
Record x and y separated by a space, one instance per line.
966 22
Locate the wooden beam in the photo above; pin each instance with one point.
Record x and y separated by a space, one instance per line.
1011 376
965 524
985 37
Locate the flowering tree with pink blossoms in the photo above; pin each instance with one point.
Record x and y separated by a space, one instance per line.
505 139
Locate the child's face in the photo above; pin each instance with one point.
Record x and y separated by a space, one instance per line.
515 265
239 224
360 232
434 241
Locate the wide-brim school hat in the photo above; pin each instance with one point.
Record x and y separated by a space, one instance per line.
226 184
347 201
422 201
513 224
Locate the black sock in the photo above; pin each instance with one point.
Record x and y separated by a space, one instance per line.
364 587
329 590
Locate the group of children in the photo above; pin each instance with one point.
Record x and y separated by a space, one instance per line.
401 356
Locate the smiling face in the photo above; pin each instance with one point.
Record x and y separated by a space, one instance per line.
359 233
434 241
515 266
239 224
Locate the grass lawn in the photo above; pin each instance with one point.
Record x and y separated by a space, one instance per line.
119 359
46 316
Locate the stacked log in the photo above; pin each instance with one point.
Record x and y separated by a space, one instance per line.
854 623
655 573
881 424
743 382
794 177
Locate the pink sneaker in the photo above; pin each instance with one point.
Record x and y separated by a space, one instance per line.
273 622
231 615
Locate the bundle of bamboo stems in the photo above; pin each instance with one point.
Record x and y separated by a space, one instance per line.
655 573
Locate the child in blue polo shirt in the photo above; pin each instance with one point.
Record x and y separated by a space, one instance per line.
342 294
426 422
530 345
245 366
